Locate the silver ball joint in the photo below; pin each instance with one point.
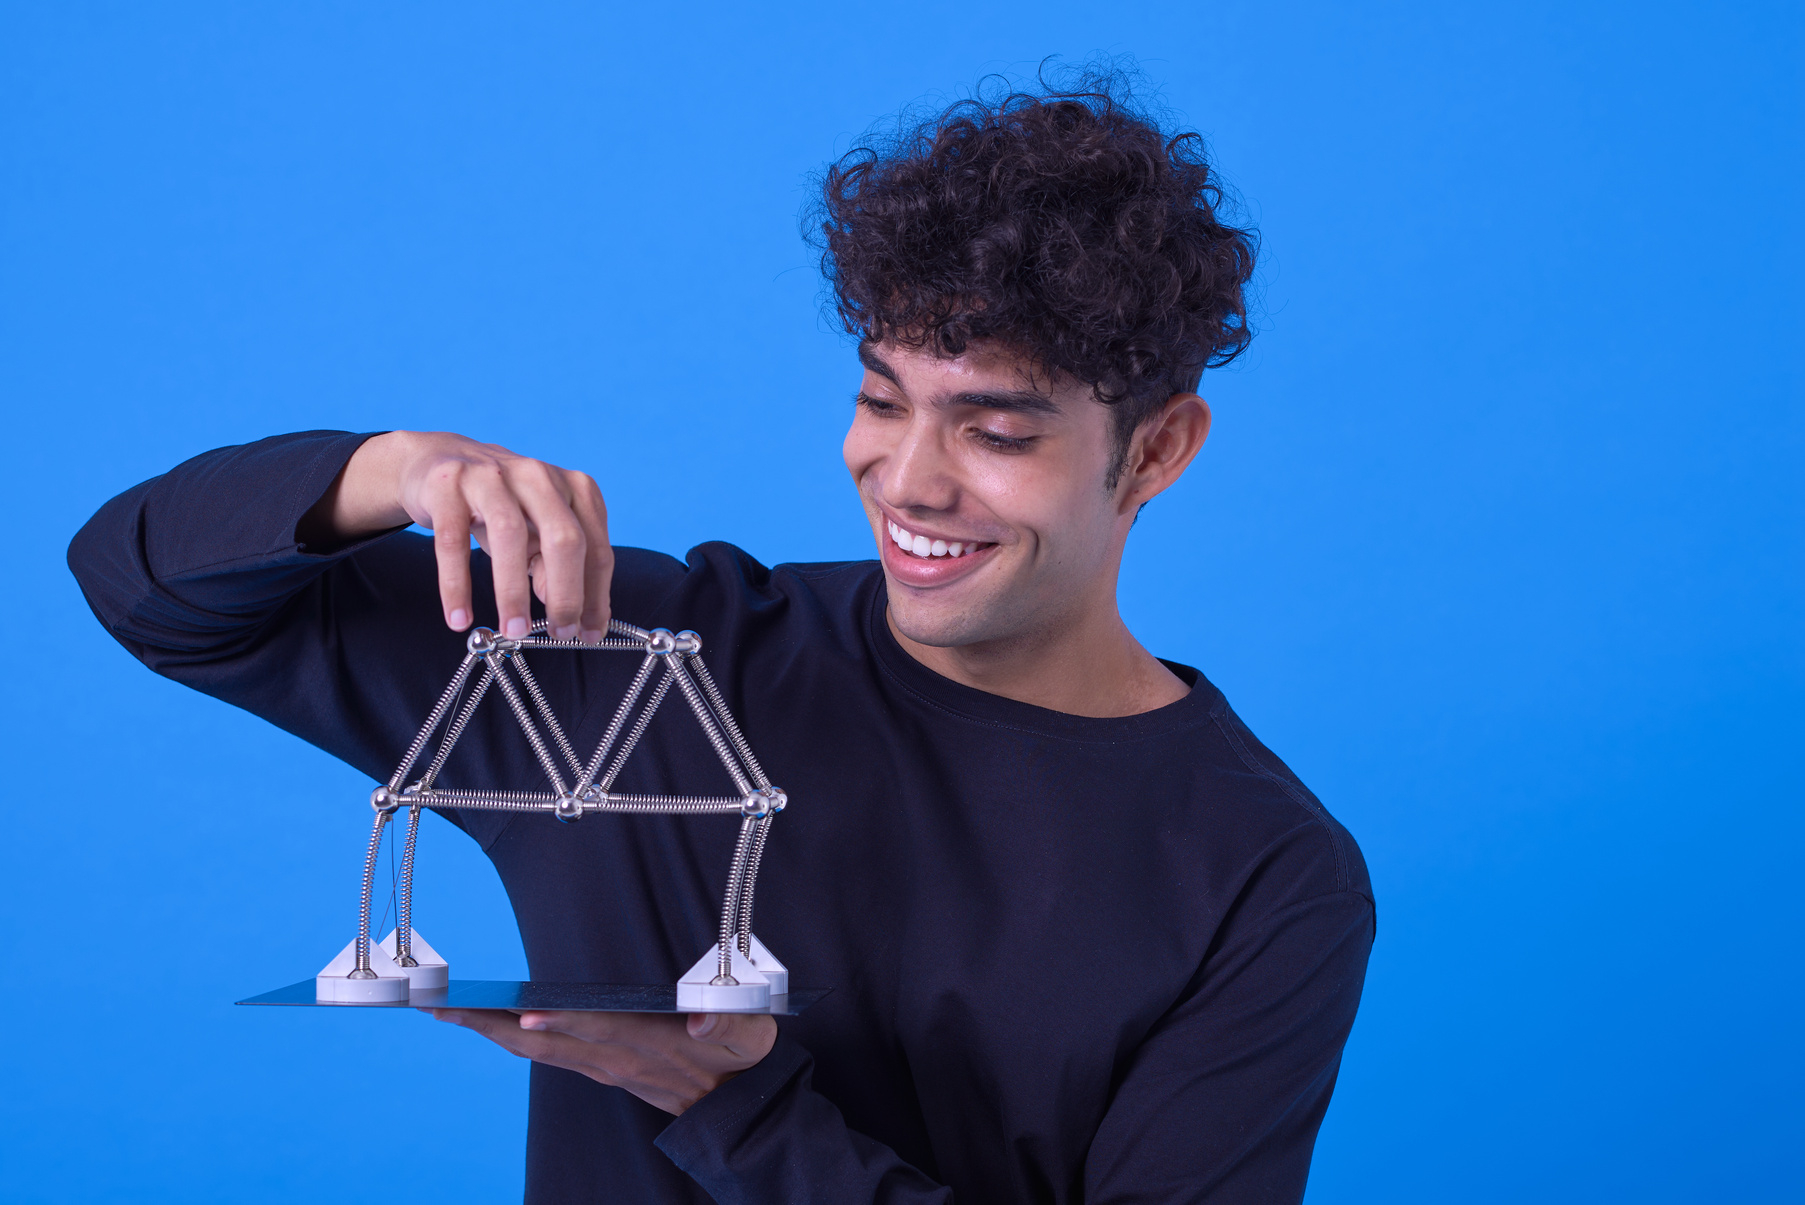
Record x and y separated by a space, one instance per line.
569 808
763 801
660 641
383 801
688 642
483 641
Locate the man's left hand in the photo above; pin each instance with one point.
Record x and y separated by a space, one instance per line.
670 1061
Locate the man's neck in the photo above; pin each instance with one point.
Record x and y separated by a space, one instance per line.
1094 668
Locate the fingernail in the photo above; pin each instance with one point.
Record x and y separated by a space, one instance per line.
591 637
535 1023
710 1023
517 628
567 632
458 619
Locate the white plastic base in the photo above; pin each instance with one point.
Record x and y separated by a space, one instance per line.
332 983
432 972
760 978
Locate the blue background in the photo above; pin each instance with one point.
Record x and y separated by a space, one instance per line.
1497 539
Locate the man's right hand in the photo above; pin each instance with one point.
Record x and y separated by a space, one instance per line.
545 528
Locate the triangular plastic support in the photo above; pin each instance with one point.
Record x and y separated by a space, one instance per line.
432 971
333 983
760 978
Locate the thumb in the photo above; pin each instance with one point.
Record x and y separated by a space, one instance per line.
745 1034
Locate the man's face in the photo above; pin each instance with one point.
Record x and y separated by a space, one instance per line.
986 492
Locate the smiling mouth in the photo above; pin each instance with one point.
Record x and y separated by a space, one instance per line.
927 549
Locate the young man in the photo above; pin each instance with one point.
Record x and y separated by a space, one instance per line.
1088 939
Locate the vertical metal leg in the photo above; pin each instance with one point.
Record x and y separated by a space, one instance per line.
404 918
750 884
363 970
730 904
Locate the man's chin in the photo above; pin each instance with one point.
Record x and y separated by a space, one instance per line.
942 627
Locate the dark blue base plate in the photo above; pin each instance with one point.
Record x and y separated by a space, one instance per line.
536 997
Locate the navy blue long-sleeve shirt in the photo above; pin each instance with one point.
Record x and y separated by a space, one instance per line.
1073 959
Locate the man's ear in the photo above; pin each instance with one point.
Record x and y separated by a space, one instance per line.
1163 448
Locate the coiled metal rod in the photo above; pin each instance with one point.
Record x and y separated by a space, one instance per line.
634 690
740 744
712 730
526 723
404 914
639 728
552 726
432 722
362 970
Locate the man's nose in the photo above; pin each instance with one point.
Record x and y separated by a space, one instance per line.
919 475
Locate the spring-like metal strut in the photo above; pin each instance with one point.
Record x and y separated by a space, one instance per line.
503 662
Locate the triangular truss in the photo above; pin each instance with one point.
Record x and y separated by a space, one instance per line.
578 786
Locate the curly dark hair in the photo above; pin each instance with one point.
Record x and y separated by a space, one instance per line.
1061 222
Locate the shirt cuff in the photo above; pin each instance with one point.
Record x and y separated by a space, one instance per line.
703 1137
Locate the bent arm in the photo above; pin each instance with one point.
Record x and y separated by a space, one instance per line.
199 574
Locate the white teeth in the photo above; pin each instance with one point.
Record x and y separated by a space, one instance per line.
922 546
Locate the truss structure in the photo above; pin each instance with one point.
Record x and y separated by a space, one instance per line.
739 973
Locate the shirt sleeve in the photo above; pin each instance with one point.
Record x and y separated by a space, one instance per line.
1219 1105
199 574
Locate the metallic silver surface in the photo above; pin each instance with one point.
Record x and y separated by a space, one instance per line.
612 733
730 907
740 744
433 719
518 663
743 923
639 727
526 723
693 695
363 906
504 664
404 911
457 727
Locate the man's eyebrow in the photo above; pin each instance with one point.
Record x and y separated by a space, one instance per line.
870 359
1021 401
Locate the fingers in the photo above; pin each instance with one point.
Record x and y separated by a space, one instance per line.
636 1054
507 537
745 1036
504 1029
598 561
451 546
562 543
545 529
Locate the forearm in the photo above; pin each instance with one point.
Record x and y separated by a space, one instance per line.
364 498
767 1135
194 559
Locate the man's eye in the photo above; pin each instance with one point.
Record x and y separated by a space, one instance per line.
1005 443
876 405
